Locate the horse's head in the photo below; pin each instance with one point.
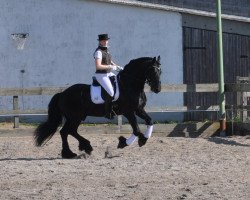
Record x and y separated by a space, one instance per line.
143 70
153 74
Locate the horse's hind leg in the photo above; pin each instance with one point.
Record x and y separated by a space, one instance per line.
66 152
84 144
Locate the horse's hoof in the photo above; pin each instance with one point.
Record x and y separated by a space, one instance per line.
142 140
88 150
68 154
122 142
86 147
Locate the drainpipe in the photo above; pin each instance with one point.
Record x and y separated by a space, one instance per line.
220 66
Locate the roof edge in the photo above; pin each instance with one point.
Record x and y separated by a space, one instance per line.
176 9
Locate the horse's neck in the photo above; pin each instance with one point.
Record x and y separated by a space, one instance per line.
131 82
133 76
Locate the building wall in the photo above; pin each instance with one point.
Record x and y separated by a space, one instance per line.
62 36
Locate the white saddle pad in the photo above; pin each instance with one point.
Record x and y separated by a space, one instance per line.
95 93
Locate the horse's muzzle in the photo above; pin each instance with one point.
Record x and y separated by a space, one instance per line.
156 90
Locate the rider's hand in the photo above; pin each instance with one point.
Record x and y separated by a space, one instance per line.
113 67
119 68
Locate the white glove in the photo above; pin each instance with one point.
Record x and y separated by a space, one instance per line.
113 67
119 68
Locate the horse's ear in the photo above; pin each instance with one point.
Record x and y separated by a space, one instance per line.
159 59
154 60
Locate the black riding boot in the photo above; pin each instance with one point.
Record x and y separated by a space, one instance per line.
108 107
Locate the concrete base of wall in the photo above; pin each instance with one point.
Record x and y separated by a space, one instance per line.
191 130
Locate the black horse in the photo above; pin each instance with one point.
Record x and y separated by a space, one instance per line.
74 104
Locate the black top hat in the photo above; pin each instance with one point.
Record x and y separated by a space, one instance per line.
103 37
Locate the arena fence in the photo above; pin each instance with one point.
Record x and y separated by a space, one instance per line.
241 88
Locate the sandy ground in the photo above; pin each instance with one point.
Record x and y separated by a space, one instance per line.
165 168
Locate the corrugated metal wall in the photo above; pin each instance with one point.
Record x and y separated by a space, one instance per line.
232 7
200 65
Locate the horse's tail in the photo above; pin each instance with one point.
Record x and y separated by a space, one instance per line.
46 130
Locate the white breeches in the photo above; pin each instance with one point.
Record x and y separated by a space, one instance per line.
105 82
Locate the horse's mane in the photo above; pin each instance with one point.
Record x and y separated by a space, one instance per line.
138 61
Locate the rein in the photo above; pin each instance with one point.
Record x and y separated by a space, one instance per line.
133 77
138 79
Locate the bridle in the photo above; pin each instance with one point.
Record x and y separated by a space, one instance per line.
148 81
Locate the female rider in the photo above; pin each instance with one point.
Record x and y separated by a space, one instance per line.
104 65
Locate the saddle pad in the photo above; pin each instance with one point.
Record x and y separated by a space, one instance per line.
95 93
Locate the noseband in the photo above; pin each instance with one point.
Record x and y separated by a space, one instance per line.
148 81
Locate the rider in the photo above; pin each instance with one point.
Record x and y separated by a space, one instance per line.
104 65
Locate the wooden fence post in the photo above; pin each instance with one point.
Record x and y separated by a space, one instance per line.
239 100
119 122
15 107
245 99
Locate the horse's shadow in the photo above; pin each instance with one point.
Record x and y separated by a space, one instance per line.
80 156
27 159
226 141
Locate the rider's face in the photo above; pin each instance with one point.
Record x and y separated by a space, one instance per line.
104 42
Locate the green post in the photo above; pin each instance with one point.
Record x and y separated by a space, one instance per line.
220 66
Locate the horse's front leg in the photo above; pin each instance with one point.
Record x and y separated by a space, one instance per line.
123 142
143 115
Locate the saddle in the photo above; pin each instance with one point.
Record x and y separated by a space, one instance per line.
97 92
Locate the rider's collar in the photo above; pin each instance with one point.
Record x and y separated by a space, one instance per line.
103 47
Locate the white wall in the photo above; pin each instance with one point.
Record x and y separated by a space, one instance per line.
63 37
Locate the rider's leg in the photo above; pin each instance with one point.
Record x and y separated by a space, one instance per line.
104 81
108 106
